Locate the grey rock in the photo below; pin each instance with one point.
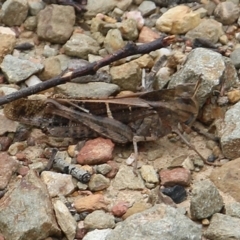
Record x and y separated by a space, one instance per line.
147 8
126 179
223 227
100 220
227 12
88 90
199 61
124 4
65 220
8 167
82 186
129 29
227 177
80 45
158 222
127 76
230 132
208 29
35 6
100 76
205 200
233 209
28 201
99 6
234 56
49 51
104 168
57 183
149 174
48 27
97 234
14 12
17 69
202 12
30 23
98 182
113 41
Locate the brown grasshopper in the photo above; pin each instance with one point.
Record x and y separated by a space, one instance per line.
133 118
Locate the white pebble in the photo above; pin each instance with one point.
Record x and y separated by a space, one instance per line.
33 80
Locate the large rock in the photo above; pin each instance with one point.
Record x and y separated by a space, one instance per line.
127 76
14 12
208 29
229 132
7 125
26 211
88 90
99 6
235 57
126 179
53 25
227 177
113 40
100 220
8 167
178 20
80 45
7 43
205 200
227 12
223 227
65 219
58 184
16 69
97 234
158 222
213 67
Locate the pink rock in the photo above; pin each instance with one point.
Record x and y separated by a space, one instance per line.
8 167
114 170
147 35
96 151
2 237
23 170
120 209
81 231
137 16
175 176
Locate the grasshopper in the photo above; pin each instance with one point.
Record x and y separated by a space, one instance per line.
132 118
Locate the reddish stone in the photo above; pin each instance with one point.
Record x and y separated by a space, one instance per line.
175 176
2 237
114 170
120 209
8 166
147 35
96 151
21 156
5 142
23 170
81 231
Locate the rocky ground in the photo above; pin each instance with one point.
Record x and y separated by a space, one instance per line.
174 195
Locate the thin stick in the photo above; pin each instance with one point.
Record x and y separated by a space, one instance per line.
90 69
176 130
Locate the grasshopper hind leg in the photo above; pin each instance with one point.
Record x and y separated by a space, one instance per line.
148 130
137 139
